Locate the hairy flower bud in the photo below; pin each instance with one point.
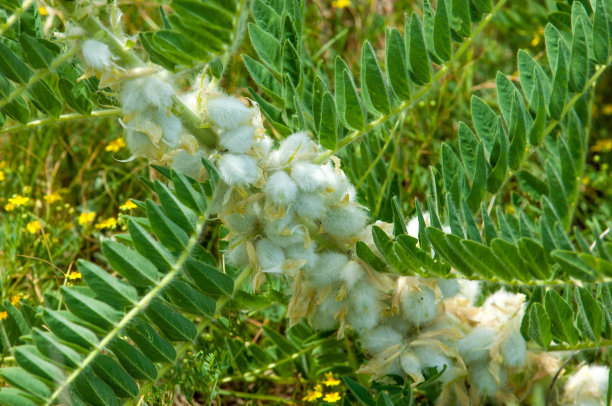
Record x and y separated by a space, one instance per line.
280 188
238 140
228 112
419 305
239 170
97 55
269 255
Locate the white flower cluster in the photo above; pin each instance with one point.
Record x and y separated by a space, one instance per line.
291 217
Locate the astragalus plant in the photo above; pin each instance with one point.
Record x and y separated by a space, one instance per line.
487 294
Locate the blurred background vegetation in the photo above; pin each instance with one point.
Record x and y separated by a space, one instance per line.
64 186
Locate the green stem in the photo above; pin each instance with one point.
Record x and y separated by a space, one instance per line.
140 306
180 351
61 119
583 346
246 395
355 135
253 374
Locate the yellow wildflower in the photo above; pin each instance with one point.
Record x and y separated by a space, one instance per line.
602 146
18 200
129 205
42 10
115 145
52 197
312 395
9 207
2 164
341 3
86 217
332 397
330 380
536 40
74 275
33 227
108 223
2 177
607 110
15 299
3 315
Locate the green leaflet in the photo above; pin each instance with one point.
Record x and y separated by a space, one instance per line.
418 60
397 69
133 361
561 318
539 327
373 87
111 373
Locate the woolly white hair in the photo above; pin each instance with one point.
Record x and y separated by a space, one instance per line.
448 287
300 252
324 317
430 357
171 127
238 140
310 205
97 55
297 146
365 312
469 289
262 146
239 170
309 177
474 347
228 112
483 380
188 164
587 386
269 255
280 188
410 363
238 255
514 350
141 94
140 144
344 222
285 232
240 223
327 270
419 306
351 273
379 339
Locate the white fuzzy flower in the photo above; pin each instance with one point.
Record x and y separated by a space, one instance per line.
328 268
587 386
352 273
171 127
240 223
300 252
469 289
297 146
228 112
325 316
188 164
430 357
309 205
514 350
448 287
309 177
475 346
345 222
144 93
238 255
483 380
269 255
238 140
419 305
410 364
285 232
379 339
262 146
141 146
97 55
280 188
364 313
239 170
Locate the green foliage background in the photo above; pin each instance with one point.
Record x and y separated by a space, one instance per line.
516 163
